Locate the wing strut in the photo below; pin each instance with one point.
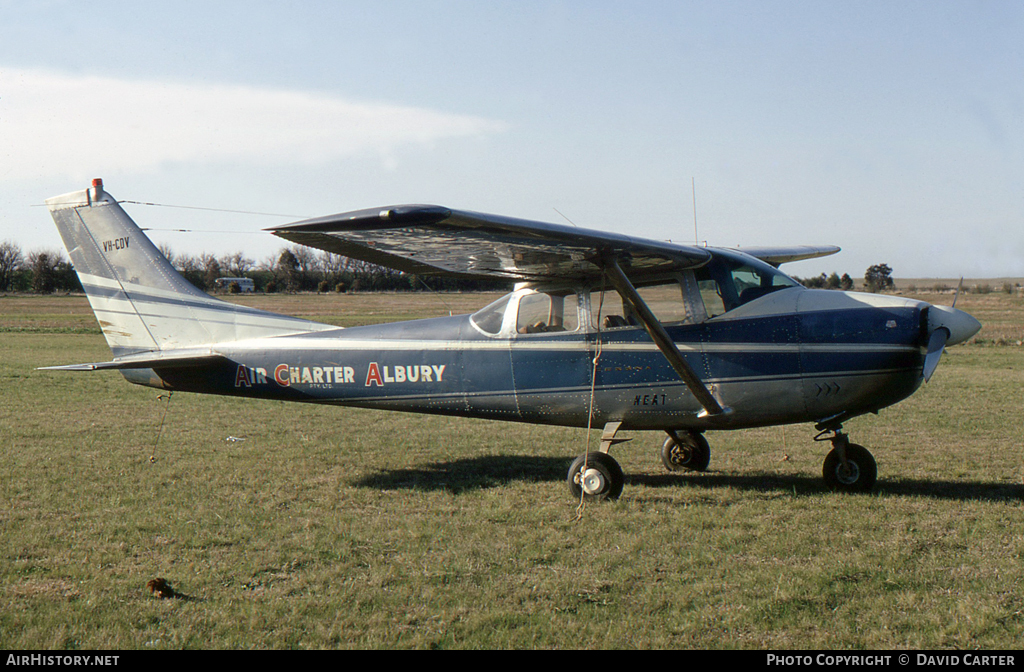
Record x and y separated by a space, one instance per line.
661 338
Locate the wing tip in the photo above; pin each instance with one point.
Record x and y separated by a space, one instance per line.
784 255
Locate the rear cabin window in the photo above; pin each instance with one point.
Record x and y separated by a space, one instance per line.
665 299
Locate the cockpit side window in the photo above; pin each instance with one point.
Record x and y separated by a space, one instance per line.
545 313
711 294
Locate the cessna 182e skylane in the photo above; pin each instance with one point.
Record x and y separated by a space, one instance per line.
602 330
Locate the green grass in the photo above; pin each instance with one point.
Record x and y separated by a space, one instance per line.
333 527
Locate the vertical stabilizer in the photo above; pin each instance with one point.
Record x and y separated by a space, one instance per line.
141 302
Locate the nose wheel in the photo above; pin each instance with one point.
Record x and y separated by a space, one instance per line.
849 467
595 476
685 450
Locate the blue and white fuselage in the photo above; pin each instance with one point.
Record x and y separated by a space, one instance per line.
603 330
797 355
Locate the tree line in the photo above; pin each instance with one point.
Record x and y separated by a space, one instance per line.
876 279
291 269
42 272
302 269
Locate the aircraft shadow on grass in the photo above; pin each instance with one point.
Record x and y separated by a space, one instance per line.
474 473
480 473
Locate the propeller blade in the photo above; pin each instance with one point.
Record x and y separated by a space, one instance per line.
936 344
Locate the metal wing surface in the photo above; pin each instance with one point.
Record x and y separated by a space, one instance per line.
432 240
782 255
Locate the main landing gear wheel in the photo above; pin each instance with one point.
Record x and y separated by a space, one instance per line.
859 475
601 479
690 452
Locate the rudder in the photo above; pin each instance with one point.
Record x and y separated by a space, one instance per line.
140 301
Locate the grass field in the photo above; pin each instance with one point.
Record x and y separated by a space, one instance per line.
331 527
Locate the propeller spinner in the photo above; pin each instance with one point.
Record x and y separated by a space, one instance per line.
946 326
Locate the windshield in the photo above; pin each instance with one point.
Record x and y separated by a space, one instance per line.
728 282
489 318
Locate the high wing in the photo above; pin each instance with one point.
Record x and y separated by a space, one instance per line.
432 240
781 255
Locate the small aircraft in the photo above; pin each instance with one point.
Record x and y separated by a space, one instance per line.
602 330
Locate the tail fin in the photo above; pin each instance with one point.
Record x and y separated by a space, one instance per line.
140 301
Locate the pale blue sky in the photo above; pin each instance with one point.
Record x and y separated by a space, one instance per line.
895 130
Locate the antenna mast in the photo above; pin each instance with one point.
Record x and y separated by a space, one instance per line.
693 187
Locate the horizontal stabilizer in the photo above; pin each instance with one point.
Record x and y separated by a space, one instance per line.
152 360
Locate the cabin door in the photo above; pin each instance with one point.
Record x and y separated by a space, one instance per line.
550 358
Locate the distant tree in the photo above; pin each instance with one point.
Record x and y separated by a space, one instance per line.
211 269
831 281
44 271
268 264
817 282
66 279
332 266
168 253
236 265
10 261
308 267
878 278
191 268
288 267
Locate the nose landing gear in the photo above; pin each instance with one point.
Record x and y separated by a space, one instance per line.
848 467
685 450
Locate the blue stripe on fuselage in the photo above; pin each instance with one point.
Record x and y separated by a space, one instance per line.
479 375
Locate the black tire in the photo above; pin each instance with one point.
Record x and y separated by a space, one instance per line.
863 470
608 474
694 454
